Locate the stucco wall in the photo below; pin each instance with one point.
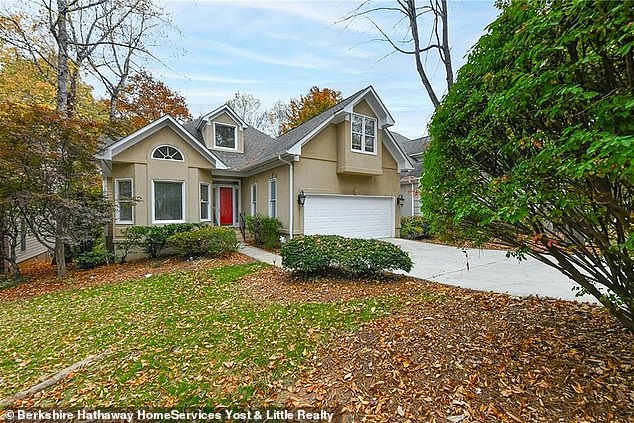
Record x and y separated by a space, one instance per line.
356 162
281 173
317 173
136 163
209 136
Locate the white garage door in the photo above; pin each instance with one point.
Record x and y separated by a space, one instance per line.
349 215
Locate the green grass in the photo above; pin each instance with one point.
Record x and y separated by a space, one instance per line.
180 339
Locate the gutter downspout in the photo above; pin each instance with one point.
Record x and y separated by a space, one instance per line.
291 171
412 197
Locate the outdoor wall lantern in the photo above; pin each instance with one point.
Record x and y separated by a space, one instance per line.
301 198
400 200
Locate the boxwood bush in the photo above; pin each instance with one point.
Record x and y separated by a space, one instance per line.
153 239
264 230
319 254
94 258
415 227
210 241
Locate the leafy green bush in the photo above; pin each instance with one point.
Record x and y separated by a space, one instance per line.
92 259
132 238
153 239
264 230
318 254
415 227
210 241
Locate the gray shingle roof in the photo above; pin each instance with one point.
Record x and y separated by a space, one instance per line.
411 148
254 142
259 147
290 138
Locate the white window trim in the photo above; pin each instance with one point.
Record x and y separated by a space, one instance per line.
167 160
184 202
254 199
116 198
208 186
376 135
276 197
235 136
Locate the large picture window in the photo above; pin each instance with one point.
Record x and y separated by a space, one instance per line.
205 203
363 134
273 197
168 204
225 136
123 198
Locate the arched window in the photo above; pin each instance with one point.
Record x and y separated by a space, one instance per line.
167 152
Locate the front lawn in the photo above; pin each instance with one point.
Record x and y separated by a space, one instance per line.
179 339
385 349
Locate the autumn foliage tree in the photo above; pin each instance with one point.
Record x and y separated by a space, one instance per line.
48 175
145 99
308 106
24 82
534 144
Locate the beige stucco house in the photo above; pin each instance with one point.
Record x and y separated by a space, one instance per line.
338 173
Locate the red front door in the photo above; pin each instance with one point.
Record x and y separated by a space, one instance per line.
226 206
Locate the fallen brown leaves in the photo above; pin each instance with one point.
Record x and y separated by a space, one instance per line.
41 277
456 355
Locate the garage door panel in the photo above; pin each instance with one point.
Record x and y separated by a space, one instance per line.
351 216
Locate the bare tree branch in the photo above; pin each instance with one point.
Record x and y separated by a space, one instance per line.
414 14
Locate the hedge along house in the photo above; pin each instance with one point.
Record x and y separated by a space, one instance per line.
337 173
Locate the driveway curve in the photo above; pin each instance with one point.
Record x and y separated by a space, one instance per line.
487 270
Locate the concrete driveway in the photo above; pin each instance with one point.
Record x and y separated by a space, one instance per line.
489 270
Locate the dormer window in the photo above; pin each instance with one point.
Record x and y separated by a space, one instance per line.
363 134
225 136
167 152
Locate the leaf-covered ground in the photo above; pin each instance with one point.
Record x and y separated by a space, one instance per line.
185 339
390 349
451 354
39 276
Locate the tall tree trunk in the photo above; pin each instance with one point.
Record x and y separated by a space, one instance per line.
14 269
60 257
413 24
71 99
62 56
446 51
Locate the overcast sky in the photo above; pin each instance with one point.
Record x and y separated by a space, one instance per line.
277 50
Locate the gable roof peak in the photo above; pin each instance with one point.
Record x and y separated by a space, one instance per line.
225 108
142 133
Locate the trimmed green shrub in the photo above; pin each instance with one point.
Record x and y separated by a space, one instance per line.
210 241
92 259
318 254
264 230
153 239
415 227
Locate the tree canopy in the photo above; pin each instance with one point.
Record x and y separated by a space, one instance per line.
249 108
27 83
534 144
145 99
306 107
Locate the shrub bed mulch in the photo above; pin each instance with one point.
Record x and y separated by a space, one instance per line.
40 276
455 355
